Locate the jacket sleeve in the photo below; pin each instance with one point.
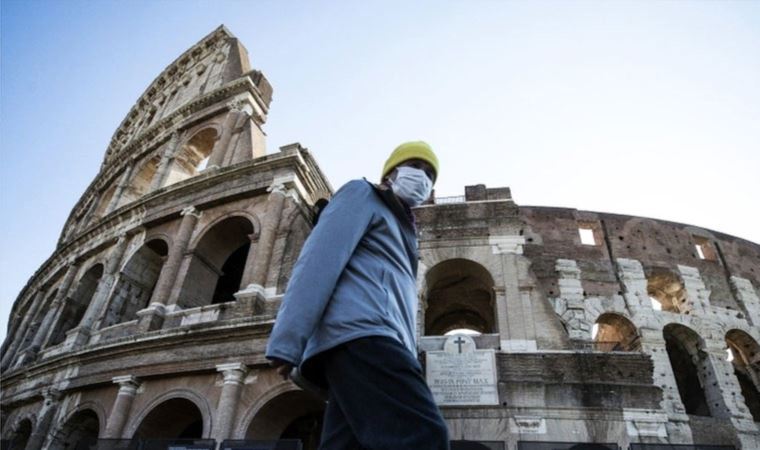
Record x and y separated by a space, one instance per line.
323 257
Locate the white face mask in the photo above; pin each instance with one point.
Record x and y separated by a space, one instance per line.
412 185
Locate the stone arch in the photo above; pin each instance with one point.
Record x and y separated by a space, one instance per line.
84 423
141 180
217 262
685 349
615 332
104 200
18 435
459 295
192 155
74 308
666 288
286 413
745 357
136 282
181 401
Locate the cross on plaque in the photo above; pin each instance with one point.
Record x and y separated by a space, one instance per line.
459 341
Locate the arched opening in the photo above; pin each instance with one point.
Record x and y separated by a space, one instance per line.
82 426
192 157
666 291
141 181
614 333
21 435
136 283
104 201
34 326
177 418
218 263
744 354
292 415
684 349
75 307
459 297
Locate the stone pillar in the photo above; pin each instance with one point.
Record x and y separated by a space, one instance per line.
23 330
653 344
102 292
698 296
570 305
44 419
255 293
128 386
53 312
219 152
747 297
166 160
275 205
516 332
722 387
151 318
250 261
234 376
631 274
123 184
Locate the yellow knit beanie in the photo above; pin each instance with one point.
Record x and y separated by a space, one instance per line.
410 150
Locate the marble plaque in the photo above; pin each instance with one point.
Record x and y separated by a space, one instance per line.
461 375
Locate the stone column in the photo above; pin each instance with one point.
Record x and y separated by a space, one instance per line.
234 376
747 297
275 205
123 184
151 318
570 305
216 159
22 331
128 386
166 159
100 298
653 344
254 295
54 311
44 419
250 261
516 332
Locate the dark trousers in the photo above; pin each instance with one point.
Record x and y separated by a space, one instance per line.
378 399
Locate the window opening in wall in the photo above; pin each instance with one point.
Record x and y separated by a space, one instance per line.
683 348
203 164
459 296
587 236
729 355
136 283
21 435
77 305
188 160
615 333
232 274
217 264
704 248
745 353
666 289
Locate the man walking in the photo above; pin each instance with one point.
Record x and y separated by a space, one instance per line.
348 317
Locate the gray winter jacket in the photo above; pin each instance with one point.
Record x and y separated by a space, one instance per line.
355 277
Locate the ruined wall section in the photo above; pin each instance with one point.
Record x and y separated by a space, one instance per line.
727 267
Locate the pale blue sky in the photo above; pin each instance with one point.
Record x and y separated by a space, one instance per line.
643 108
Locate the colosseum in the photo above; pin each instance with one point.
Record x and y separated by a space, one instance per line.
539 328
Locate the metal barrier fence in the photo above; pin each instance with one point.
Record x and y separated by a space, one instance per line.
680 447
283 444
544 445
477 445
146 444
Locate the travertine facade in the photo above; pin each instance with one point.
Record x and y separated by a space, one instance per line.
151 317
